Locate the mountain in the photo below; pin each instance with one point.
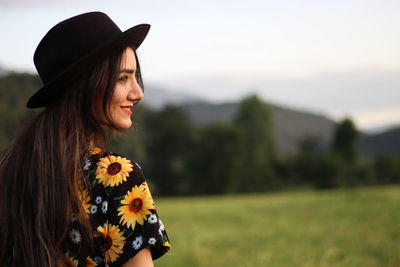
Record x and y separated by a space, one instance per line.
290 125
385 143
293 125
157 98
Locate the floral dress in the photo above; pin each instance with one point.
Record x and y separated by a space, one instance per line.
121 211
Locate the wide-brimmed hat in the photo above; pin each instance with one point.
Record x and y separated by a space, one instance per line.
73 47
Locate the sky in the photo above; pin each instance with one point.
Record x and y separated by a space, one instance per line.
337 58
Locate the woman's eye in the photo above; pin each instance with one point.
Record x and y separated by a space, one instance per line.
123 78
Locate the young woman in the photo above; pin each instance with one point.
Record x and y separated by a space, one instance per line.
64 200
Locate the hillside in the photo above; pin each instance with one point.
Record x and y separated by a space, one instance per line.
384 143
290 125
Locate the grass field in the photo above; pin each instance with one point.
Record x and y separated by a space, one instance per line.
355 227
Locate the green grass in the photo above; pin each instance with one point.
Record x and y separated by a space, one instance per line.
355 227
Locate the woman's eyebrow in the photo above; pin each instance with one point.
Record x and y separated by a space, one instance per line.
127 71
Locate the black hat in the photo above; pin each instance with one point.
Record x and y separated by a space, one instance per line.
75 45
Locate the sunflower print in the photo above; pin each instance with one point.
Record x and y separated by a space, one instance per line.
95 150
70 261
113 170
167 244
136 206
85 198
116 199
114 241
90 262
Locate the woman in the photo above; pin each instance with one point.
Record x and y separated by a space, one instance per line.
64 201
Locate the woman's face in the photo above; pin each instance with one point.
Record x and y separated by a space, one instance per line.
126 91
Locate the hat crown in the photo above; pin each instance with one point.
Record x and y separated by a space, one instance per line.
71 40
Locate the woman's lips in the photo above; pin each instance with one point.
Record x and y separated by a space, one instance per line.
127 109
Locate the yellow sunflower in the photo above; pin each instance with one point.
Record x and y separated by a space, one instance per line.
114 239
70 261
112 170
85 198
90 262
95 150
136 205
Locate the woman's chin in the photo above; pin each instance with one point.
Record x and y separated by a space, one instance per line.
124 125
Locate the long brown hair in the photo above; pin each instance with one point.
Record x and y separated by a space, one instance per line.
41 171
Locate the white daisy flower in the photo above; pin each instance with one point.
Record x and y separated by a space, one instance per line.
93 209
138 165
97 259
137 243
152 218
104 206
162 228
152 241
75 236
87 165
98 200
160 232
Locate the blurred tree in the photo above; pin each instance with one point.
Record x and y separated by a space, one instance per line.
15 89
214 168
345 140
351 170
169 141
257 150
387 169
327 171
306 165
132 143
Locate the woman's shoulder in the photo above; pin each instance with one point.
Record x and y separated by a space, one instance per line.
97 154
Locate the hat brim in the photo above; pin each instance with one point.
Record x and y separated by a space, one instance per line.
132 37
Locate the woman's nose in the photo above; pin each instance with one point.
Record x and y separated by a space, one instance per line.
136 92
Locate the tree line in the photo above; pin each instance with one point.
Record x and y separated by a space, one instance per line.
180 158
241 156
